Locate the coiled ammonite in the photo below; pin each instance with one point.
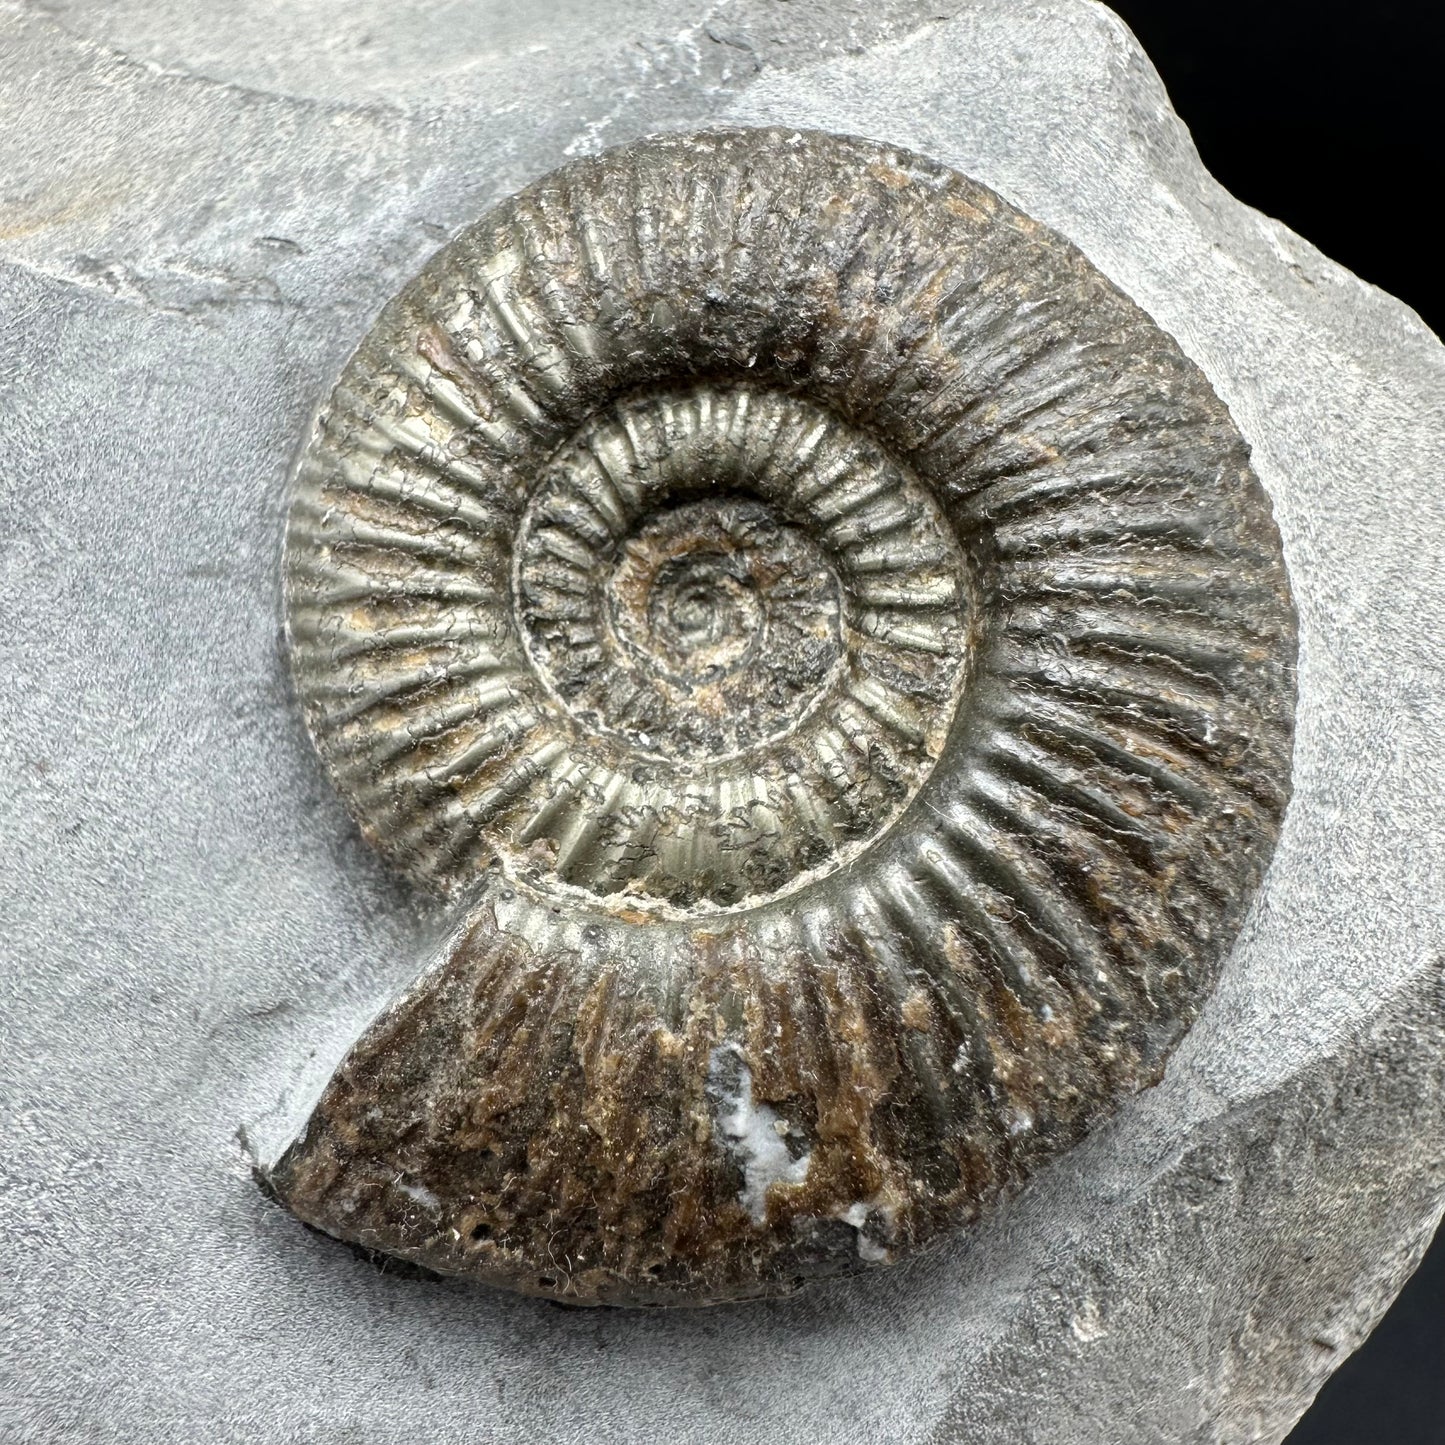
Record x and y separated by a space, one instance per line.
832 647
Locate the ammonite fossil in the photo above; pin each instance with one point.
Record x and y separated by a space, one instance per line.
834 649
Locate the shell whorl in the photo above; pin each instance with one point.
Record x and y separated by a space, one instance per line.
834 647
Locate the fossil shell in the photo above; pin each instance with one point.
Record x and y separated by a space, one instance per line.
833 647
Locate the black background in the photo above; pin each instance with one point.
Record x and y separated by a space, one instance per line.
1329 116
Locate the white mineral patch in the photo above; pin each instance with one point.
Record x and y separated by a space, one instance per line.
754 1130
423 1196
856 1215
1088 1324
872 1251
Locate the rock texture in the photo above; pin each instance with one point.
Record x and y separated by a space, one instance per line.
196 228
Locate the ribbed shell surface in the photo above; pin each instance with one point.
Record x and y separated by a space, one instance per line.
833 648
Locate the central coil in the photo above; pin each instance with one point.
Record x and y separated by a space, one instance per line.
733 597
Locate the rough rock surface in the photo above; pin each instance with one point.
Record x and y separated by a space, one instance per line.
198 222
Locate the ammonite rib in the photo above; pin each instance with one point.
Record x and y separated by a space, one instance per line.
833 647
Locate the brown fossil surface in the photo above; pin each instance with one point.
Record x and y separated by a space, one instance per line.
833 648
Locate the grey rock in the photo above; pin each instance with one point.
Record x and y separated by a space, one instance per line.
199 221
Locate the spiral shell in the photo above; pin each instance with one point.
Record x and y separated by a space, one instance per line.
833 647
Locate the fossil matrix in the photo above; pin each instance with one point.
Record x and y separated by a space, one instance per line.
832 647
